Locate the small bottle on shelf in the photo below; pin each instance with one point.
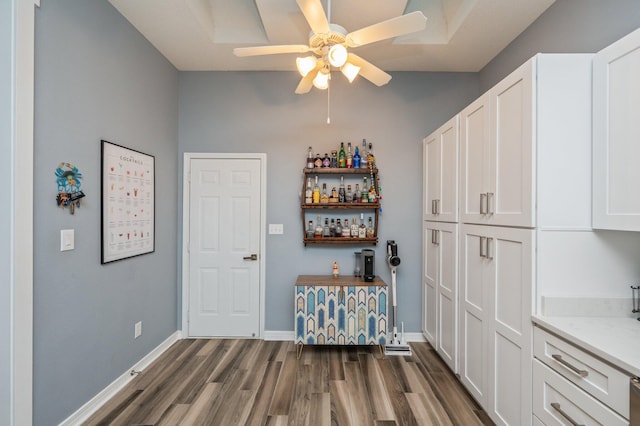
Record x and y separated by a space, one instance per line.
346 229
372 193
370 230
324 196
310 230
357 196
326 231
349 195
332 228
341 192
371 159
349 156
316 192
354 228
318 161
309 159
318 231
326 161
356 159
364 195
308 195
338 232
363 155
362 229
342 157
334 159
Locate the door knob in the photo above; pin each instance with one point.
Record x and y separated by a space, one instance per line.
252 257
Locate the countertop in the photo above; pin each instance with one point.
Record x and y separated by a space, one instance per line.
614 339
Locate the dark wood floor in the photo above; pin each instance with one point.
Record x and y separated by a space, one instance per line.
255 382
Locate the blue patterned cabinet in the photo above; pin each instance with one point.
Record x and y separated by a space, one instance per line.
340 311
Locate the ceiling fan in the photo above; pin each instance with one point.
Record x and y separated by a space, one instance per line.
329 44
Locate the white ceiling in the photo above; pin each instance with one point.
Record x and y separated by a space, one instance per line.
199 35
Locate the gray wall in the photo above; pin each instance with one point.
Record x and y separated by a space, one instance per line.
6 225
97 78
259 112
568 26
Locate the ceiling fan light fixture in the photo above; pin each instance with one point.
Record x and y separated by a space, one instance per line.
321 81
337 55
350 71
306 64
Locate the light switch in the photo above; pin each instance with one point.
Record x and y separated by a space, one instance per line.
276 228
67 239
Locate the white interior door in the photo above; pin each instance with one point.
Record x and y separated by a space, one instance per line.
224 247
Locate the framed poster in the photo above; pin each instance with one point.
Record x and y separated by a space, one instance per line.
128 202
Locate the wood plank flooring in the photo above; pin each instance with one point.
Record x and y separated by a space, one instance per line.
255 382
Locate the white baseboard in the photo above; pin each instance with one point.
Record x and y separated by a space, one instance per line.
84 412
283 335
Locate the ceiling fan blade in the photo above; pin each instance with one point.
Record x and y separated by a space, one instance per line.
394 27
369 71
307 81
270 50
315 16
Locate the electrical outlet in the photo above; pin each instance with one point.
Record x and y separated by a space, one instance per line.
137 330
276 228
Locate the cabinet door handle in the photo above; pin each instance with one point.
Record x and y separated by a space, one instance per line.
483 246
557 407
489 250
433 206
252 257
483 203
433 236
438 237
579 372
490 207
437 206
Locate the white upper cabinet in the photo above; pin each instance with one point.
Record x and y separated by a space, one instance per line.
441 173
497 154
616 132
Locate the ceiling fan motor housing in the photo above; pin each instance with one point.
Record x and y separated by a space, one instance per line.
336 36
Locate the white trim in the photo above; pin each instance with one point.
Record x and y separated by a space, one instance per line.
283 335
414 337
84 412
186 174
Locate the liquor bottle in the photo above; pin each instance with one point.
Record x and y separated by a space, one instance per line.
308 195
362 229
357 196
342 157
332 228
309 159
318 161
341 194
326 161
346 230
365 190
334 195
371 159
370 230
356 159
363 155
338 229
318 231
334 158
349 196
316 192
354 228
372 193
310 230
324 196
349 156
326 231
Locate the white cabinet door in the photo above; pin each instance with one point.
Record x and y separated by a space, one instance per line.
441 173
440 307
496 268
497 153
616 126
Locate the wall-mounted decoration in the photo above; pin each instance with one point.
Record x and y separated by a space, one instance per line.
68 180
128 202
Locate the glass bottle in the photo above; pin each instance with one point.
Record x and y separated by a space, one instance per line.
365 190
309 159
326 161
371 159
326 231
356 159
332 228
370 230
318 161
372 193
341 193
342 157
363 155
338 229
318 231
334 158
308 195
316 192
354 228
324 196
334 195
362 229
357 196
346 230
310 230
349 156
349 195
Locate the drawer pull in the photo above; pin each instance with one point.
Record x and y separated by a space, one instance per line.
556 407
581 373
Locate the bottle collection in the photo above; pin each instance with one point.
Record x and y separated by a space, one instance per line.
361 158
314 195
337 229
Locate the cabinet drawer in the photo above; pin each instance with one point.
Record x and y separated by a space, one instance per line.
556 401
599 379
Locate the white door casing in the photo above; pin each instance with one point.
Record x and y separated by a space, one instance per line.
223 228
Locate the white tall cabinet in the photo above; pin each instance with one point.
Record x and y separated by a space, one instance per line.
508 197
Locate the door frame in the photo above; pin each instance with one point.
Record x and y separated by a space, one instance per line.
186 259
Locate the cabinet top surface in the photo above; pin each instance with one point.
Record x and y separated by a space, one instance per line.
339 170
341 280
